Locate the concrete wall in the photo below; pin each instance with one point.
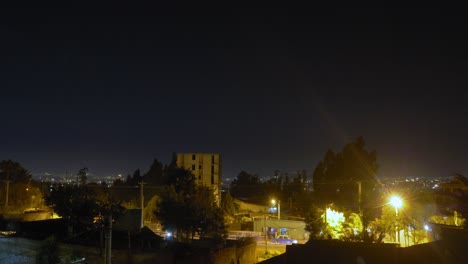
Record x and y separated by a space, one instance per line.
331 251
236 254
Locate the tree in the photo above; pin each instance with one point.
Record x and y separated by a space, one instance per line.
209 218
83 176
338 176
228 205
155 174
189 209
182 180
13 171
77 204
298 193
17 187
246 186
174 214
352 228
151 207
133 180
315 223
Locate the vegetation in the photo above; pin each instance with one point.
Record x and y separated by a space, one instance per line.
189 209
335 210
82 176
246 185
13 171
228 205
338 176
80 204
22 191
315 223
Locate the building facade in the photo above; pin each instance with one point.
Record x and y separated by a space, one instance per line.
206 167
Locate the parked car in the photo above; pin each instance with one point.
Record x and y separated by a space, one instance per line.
284 239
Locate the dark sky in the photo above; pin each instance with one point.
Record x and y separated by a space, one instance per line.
269 88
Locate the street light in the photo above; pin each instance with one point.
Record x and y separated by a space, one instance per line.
396 202
273 202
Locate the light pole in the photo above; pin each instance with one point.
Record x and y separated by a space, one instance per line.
273 201
265 230
396 202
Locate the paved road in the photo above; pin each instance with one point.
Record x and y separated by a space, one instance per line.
15 250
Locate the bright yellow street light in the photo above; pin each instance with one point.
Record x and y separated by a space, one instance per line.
396 202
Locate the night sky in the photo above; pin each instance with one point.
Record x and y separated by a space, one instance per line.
111 88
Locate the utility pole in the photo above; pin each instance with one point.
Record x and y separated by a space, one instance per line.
7 192
142 200
7 186
108 230
266 233
279 209
359 197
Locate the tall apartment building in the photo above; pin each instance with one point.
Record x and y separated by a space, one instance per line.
207 170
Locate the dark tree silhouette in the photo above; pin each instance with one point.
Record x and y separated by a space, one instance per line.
189 209
77 204
155 174
315 223
337 177
246 186
17 185
13 171
82 176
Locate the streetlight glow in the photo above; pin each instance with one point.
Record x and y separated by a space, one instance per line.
396 202
273 202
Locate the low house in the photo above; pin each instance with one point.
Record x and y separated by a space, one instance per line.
273 227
